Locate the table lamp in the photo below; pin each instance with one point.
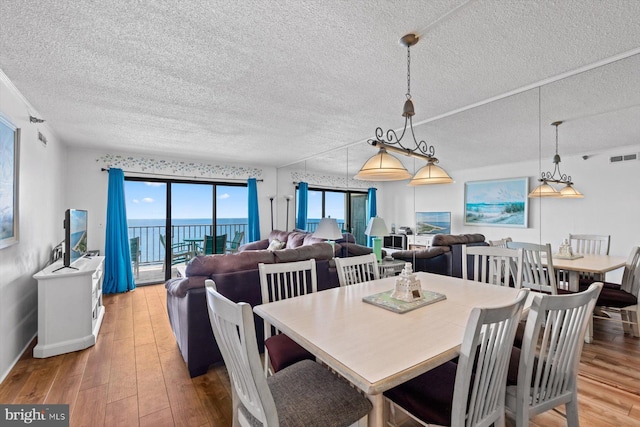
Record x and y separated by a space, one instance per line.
376 229
328 229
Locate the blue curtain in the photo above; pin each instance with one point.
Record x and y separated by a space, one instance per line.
372 211
303 200
254 215
118 275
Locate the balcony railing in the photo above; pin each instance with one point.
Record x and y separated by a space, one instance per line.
152 250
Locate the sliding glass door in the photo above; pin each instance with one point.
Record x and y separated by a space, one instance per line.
168 221
192 213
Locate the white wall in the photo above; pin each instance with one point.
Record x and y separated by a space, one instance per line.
611 204
87 189
41 214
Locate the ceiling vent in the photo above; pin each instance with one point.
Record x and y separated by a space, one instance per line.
623 158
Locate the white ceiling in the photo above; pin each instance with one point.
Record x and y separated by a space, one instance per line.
276 82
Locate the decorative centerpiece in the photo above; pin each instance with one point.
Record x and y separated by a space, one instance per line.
565 249
407 286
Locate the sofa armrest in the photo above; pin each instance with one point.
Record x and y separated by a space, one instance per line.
354 249
178 287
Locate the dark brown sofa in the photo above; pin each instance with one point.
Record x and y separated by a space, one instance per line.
445 254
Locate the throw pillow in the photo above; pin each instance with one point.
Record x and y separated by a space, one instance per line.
275 245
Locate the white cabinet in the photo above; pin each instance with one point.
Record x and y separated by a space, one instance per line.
70 309
419 241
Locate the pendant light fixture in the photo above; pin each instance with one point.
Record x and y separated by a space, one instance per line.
547 190
385 167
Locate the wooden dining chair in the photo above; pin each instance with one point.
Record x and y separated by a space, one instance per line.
590 244
357 269
494 265
619 302
547 363
304 394
586 244
470 392
500 243
535 275
278 282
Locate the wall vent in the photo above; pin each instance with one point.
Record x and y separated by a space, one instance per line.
623 158
42 138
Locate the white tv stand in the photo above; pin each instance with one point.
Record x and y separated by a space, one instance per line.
70 309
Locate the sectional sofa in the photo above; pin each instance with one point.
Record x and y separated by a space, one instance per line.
236 276
444 256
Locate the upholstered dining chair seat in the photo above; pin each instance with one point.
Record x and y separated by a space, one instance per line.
436 387
283 351
612 295
609 285
307 394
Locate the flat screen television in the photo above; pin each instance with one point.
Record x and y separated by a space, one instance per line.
433 222
75 235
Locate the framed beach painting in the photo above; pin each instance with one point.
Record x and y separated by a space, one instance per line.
499 203
9 161
433 222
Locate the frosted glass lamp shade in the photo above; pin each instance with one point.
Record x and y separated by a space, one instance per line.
383 167
544 190
430 174
328 229
570 192
376 227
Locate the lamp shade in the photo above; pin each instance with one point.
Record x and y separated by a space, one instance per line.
570 192
383 167
376 227
328 229
544 190
430 174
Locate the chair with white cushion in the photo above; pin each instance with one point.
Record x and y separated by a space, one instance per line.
357 269
547 363
303 394
535 275
470 392
277 282
494 265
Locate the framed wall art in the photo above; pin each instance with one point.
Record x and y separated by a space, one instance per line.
500 202
433 222
9 162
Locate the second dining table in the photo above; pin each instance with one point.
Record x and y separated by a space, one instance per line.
599 265
375 348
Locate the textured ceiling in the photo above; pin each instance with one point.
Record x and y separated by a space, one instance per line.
277 82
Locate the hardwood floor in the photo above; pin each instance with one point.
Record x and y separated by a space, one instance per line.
135 375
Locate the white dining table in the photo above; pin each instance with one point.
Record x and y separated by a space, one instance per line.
599 265
375 348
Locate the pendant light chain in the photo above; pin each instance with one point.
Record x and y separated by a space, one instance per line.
408 72
385 167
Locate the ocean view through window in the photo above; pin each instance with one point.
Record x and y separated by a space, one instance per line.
175 216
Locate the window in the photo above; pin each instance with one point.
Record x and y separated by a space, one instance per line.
349 208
